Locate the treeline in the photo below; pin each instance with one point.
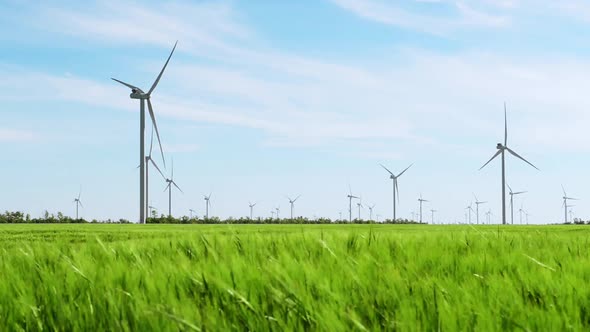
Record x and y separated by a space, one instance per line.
59 218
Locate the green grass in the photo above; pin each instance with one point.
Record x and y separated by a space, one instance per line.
292 277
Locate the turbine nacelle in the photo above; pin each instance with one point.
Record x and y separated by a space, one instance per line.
138 94
499 146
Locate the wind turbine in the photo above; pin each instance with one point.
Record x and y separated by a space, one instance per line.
207 205
191 212
469 209
272 214
489 217
251 208
371 211
433 211
292 202
501 151
137 93
421 201
520 212
395 187
477 203
171 183
350 197
565 199
149 159
360 205
278 209
151 208
78 202
511 193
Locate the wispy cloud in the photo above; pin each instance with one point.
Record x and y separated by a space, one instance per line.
16 135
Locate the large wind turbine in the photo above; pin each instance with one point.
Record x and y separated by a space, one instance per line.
395 187
207 205
169 187
292 202
137 93
477 203
350 197
148 160
420 200
501 149
78 202
251 208
565 199
512 194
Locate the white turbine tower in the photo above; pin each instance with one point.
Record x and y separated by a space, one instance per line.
489 217
171 183
292 203
78 202
207 205
137 93
512 194
191 212
360 205
565 199
501 151
251 208
278 209
433 211
469 210
420 200
394 178
477 203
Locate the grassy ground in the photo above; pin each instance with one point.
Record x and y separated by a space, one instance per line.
291 277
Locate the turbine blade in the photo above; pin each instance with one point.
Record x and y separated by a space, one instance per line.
562 188
521 158
510 189
151 142
505 126
519 192
162 72
126 84
167 186
295 200
79 192
177 187
79 201
386 169
396 190
400 174
151 110
494 156
156 166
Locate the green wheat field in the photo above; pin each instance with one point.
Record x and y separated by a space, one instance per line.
294 277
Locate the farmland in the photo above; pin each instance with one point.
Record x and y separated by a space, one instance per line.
284 277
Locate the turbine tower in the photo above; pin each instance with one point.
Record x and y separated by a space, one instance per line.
501 151
292 202
477 203
360 205
394 178
565 199
489 217
512 194
420 200
251 208
171 183
433 211
151 209
278 209
350 197
191 212
78 202
137 93
207 205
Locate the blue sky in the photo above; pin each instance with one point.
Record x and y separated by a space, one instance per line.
266 99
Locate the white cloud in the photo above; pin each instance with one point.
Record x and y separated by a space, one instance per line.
16 135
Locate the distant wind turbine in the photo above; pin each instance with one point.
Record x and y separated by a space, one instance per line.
191 212
151 209
565 199
420 200
278 209
433 211
512 194
251 208
371 207
359 204
469 210
292 203
489 217
477 203
137 93
148 160
501 151
171 183
207 204
350 197
394 178
78 202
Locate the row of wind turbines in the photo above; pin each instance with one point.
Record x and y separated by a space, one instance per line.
145 160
